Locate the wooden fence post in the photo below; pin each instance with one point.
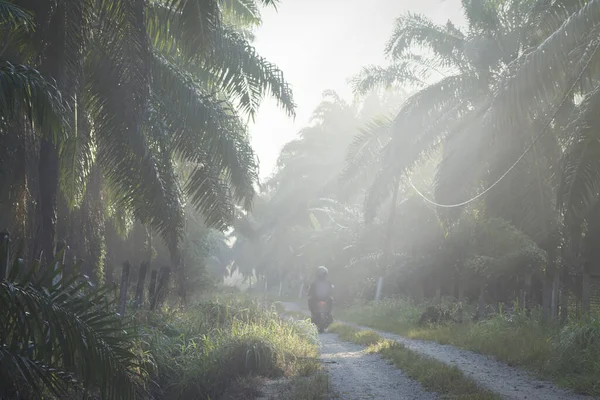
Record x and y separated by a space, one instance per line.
123 288
139 292
4 254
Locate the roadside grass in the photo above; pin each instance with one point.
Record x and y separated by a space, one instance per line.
199 353
449 382
316 387
569 355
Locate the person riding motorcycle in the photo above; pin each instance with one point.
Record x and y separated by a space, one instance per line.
320 290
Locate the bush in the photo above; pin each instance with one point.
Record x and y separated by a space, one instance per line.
576 359
199 353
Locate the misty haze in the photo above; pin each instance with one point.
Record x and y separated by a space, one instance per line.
299 199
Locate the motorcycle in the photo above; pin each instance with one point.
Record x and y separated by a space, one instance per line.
322 317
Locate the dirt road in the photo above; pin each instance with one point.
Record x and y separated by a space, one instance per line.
355 375
356 372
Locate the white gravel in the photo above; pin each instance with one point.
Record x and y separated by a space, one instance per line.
355 375
509 382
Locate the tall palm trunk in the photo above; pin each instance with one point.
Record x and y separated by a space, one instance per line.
53 67
48 174
586 279
548 285
387 250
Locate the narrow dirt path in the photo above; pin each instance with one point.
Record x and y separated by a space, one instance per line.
355 375
509 382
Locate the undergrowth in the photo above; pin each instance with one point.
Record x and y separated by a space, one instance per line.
568 355
197 354
448 381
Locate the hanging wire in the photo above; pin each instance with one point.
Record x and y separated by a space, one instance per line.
537 137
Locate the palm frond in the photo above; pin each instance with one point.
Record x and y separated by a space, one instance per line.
15 17
427 117
211 195
245 11
24 90
73 338
76 157
414 30
374 77
382 188
365 151
205 130
230 64
546 16
196 23
539 81
137 173
460 171
246 76
580 172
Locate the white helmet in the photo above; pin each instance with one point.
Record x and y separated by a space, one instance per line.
322 272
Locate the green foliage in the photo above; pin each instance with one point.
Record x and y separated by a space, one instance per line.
448 381
199 353
433 375
568 354
59 334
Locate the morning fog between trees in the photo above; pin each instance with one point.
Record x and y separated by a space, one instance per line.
453 197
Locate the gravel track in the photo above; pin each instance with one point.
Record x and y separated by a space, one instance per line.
508 382
355 375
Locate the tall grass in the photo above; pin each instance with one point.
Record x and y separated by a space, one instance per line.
448 381
568 355
199 353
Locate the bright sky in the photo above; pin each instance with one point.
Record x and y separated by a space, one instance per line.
319 44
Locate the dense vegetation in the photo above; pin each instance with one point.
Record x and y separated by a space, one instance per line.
481 183
123 139
464 173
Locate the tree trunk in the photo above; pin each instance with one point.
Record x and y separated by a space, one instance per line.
548 286
387 250
52 66
438 288
564 300
179 267
148 244
123 288
586 279
152 288
139 292
481 302
48 171
555 294
527 292
4 254
461 298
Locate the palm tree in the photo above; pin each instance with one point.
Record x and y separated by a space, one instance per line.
200 75
544 107
464 67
